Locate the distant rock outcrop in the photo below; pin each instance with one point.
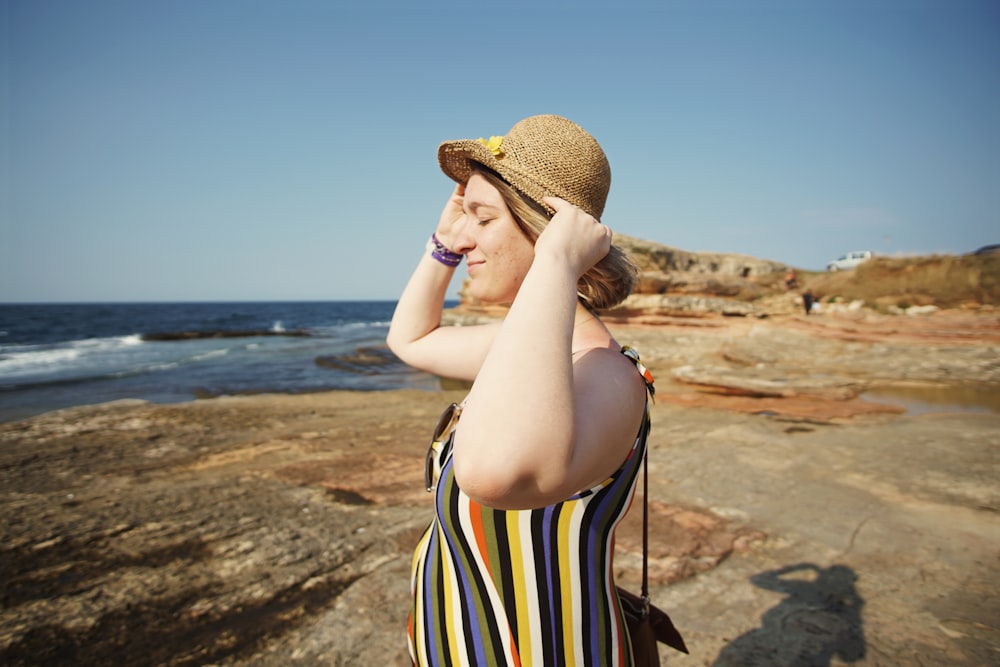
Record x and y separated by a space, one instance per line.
679 283
896 284
676 283
658 258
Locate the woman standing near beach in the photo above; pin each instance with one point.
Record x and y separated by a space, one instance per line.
533 471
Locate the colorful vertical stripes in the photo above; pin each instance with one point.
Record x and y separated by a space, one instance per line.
529 587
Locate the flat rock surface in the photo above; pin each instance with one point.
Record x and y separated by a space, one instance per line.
805 528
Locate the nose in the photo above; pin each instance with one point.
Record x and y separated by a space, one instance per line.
464 242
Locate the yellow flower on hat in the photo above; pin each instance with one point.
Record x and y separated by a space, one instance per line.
493 144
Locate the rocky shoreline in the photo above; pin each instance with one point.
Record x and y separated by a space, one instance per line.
794 521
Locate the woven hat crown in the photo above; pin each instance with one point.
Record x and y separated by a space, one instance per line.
541 156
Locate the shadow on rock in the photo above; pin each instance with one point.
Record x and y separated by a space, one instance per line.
820 619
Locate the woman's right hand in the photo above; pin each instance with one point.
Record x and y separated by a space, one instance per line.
574 236
451 218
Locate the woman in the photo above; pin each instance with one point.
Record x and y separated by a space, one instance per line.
537 466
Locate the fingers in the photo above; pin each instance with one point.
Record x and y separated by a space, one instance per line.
574 235
564 210
559 205
556 203
457 195
449 224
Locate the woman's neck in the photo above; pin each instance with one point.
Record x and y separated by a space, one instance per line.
589 331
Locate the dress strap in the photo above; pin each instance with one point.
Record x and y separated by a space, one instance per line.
647 377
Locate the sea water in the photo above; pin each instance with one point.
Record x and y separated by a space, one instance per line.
61 355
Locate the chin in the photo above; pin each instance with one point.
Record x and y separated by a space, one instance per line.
490 297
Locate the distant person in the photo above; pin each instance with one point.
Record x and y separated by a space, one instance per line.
537 466
807 301
791 280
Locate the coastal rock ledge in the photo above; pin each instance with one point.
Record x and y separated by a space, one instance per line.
787 526
232 529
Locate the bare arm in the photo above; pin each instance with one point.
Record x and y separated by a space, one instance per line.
415 333
538 428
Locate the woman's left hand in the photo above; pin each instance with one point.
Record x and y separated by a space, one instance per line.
574 235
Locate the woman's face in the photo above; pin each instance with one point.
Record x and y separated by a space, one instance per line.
498 255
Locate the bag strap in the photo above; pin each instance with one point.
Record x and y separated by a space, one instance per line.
647 378
645 513
663 627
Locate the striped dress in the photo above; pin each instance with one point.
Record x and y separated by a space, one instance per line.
522 587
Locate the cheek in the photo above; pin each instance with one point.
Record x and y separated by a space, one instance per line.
518 260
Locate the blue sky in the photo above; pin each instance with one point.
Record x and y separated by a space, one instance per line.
246 150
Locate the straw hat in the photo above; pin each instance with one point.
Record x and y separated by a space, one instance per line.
540 156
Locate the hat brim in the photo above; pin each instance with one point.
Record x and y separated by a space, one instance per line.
457 157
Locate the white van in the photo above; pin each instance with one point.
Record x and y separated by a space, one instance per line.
849 261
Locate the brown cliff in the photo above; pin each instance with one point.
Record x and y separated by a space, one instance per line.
678 283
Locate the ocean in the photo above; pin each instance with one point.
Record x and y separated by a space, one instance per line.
62 355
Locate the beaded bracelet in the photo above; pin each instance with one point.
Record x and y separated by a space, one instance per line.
442 254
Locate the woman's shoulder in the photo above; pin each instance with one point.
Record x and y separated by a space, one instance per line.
608 366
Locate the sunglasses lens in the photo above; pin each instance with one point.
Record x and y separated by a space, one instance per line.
444 422
432 468
430 483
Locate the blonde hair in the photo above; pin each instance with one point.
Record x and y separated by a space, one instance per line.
605 284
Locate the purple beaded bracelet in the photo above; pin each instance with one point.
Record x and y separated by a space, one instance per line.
442 254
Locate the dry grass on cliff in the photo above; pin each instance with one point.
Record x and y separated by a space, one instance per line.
947 281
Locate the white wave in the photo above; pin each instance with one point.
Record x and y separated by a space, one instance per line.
32 359
363 325
166 366
352 329
105 344
211 354
278 327
20 360
149 368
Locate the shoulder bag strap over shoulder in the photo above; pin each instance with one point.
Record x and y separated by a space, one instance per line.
663 628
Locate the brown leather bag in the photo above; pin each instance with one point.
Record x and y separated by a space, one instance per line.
647 624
